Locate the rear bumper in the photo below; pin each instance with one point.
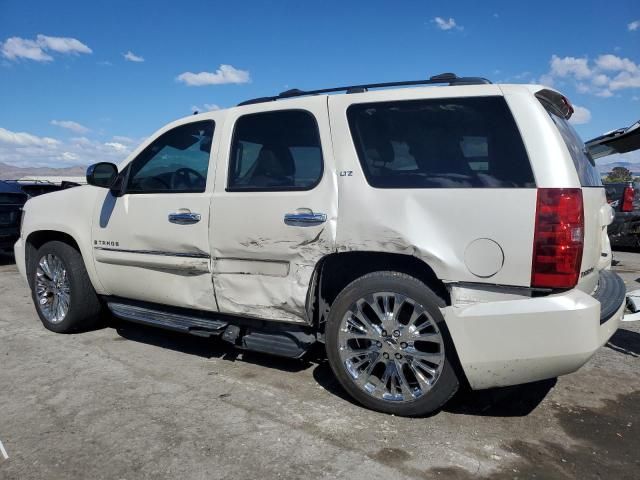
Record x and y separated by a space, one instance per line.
518 341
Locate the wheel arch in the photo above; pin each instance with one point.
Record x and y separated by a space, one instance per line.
335 271
37 238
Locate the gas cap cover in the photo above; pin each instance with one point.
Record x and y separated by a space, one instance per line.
484 257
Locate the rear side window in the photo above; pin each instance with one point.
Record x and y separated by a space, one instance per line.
584 163
275 151
443 143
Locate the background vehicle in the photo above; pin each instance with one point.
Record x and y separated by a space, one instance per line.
33 188
623 197
12 199
624 231
370 221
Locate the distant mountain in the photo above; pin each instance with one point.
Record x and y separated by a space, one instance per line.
9 172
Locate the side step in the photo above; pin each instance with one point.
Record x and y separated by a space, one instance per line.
195 325
275 338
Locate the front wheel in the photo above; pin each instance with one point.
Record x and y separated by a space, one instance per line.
389 347
61 290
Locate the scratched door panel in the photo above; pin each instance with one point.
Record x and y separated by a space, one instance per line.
262 266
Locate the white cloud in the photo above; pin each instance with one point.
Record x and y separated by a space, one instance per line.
118 147
208 107
601 77
547 80
123 139
70 156
612 62
25 149
444 24
23 139
580 115
633 26
14 48
70 125
224 74
62 44
625 80
563 67
132 57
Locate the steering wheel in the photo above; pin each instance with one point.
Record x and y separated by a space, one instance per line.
182 177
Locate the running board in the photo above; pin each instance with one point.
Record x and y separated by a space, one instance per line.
283 340
195 325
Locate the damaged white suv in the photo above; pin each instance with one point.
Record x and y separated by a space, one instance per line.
428 237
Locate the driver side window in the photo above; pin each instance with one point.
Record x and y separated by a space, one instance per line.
176 162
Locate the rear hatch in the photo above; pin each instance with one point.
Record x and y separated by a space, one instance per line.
597 213
622 140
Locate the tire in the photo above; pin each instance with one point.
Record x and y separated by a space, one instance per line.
406 372
83 308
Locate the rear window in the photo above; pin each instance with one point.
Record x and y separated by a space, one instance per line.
445 143
584 163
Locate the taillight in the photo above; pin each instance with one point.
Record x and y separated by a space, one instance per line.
558 238
627 199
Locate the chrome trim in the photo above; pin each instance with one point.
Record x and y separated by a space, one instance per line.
155 252
184 218
304 219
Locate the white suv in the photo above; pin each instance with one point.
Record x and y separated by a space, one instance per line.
428 237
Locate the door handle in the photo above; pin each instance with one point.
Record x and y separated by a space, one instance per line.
184 218
304 219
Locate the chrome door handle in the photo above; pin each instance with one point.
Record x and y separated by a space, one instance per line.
304 219
184 218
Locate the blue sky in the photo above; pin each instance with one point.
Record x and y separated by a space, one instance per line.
69 96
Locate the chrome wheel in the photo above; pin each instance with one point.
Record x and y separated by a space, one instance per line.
52 288
391 347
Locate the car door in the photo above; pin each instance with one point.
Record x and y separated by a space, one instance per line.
274 207
151 239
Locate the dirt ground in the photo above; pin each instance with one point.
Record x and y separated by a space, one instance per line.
130 402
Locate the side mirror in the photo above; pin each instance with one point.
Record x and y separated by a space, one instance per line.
102 174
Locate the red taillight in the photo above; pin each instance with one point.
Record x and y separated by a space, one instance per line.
627 199
558 238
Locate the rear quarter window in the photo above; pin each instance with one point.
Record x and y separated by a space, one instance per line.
584 163
443 143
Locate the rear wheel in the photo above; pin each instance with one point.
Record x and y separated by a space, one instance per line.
388 345
61 290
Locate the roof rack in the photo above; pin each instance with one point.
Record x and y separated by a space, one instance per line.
448 78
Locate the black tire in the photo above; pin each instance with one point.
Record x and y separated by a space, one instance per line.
446 383
84 310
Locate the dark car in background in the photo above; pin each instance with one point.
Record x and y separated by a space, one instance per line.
623 196
12 199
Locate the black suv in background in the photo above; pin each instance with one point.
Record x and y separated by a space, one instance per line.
12 199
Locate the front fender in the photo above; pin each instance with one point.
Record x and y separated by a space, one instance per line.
68 212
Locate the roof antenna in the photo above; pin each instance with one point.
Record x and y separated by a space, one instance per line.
195 112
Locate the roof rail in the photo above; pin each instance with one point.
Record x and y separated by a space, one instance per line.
448 78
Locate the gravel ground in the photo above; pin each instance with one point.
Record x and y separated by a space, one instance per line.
129 402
